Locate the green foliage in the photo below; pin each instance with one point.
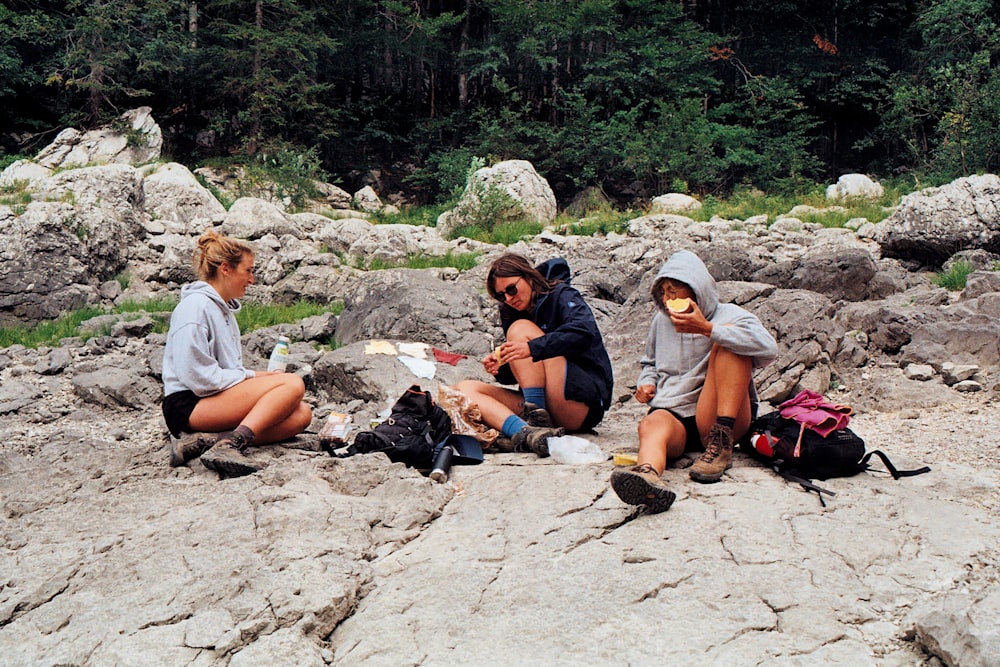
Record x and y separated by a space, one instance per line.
253 315
463 261
287 172
443 178
637 97
746 202
599 222
506 233
420 216
15 195
943 116
49 332
955 277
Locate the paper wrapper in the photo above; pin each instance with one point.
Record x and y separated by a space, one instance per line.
465 416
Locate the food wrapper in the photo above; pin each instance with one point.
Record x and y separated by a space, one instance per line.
465 416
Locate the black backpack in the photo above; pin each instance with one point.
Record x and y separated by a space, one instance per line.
800 454
414 427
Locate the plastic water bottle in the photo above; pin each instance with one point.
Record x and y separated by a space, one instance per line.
279 355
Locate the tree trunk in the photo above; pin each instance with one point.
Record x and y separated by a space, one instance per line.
463 46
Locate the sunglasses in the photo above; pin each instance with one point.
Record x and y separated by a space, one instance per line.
509 290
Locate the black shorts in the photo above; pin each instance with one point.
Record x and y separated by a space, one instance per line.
693 442
177 409
584 388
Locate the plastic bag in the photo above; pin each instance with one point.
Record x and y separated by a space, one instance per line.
572 449
465 416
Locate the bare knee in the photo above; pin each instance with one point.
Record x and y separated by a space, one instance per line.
302 417
522 330
468 387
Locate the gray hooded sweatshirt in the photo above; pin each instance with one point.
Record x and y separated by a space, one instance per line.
678 362
203 351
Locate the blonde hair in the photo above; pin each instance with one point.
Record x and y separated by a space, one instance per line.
214 250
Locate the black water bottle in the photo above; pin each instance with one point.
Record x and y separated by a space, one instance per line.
442 464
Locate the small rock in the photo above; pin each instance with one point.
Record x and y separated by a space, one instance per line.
920 372
967 386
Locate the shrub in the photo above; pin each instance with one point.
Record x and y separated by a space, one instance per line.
955 277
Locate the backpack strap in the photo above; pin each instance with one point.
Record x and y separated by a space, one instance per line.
805 484
896 473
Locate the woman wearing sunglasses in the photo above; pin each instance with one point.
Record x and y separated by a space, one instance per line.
553 351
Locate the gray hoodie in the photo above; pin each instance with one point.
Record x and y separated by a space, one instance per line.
677 363
203 351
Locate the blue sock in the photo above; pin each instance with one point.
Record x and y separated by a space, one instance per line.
512 425
534 395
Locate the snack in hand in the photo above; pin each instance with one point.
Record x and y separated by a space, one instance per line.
679 305
496 353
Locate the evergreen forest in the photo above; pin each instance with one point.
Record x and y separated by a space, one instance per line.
636 97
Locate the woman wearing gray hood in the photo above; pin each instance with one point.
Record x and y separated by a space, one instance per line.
696 378
205 385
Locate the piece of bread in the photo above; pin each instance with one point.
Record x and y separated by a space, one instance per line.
679 305
496 353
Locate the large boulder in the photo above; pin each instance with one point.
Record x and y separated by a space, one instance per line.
177 203
44 265
517 179
134 139
932 224
24 171
420 305
851 186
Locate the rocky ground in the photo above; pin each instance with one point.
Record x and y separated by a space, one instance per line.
108 556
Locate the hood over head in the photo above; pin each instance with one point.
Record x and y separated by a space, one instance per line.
686 267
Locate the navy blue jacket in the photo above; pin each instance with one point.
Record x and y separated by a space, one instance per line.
570 331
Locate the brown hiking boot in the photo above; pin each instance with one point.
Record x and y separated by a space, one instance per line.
503 444
189 447
718 456
640 485
536 416
536 439
226 457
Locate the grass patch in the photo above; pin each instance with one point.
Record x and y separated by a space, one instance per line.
600 222
506 233
16 196
420 216
746 203
463 261
955 277
252 316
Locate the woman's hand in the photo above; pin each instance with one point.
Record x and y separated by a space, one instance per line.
645 393
692 322
508 352
490 363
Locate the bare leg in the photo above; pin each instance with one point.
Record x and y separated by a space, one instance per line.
726 392
495 403
661 438
549 373
270 405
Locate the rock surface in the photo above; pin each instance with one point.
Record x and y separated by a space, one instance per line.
109 556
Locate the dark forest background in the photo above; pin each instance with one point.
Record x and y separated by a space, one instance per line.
637 97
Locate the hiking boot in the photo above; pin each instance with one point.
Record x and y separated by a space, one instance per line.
535 439
189 446
718 456
640 485
226 457
536 416
503 444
